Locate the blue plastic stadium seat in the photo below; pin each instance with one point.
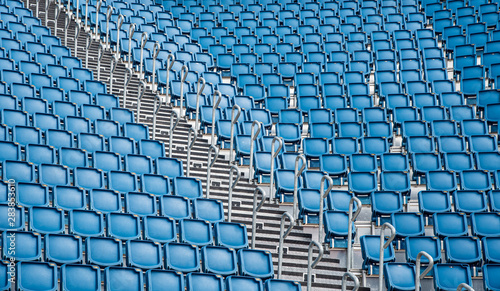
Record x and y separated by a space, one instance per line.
116 277
187 187
255 263
463 250
449 276
201 281
176 207
336 225
450 224
362 182
219 260
488 161
491 273
84 277
63 249
385 203
230 235
159 229
46 220
169 167
441 181
144 254
155 184
36 276
182 257
122 181
208 209
158 279
282 285
152 148
485 224
136 131
104 251
399 276
86 223
394 162
396 181
53 175
408 224
234 283
140 203
483 143
195 232
123 226
470 201
370 250
429 244
475 180
28 246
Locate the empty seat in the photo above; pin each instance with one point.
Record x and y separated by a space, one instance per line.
69 197
89 178
28 245
123 226
103 251
195 232
208 209
86 223
122 181
36 276
362 182
449 276
84 277
255 263
19 223
63 249
231 235
159 229
144 254
187 187
182 257
491 274
282 285
475 180
428 244
155 184
115 277
485 224
464 250
105 200
140 203
396 181
450 224
46 220
158 279
53 175
201 281
370 250
176 207
441 181
399 276
169 167
219 260
234 283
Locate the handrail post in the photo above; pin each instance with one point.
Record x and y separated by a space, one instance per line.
210 163
67 21
68 8
156 51
322 197
352 218
37 10
274 154
77 34
126 80
353 277
253 136
383 246
464 285
296 177
77 15
56 17
234 119
283 235
310 264
88 44
155 113
419 276
173 125
87 28
131 31
119 24
201 87
47 5
215 105
144 40
114 64
170 63
109 12
98 10
232 185
256 208
142 90
100 54
184 73
192 136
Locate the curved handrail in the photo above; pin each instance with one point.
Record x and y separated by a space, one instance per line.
56 17
298 173
97 12
215 104
87 45
114 64
274 154
155 113
353 277
310 264
86 15
232 185
142 90
170 64
77 34
234 119
100 55
119 24
127 77
352 218
67 21
210 163
109 12
256 208
156 51
184 73
200 87
464 285
173 125
68 8
47 5
322 197
131 31
383 246
192 136
419 276
283 235
144 40
253 136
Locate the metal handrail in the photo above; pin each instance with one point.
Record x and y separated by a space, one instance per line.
283 235
131 31
200 87
210 163
322 197
68 8
256 208
87 44
142 90
274 154
353 277
298 173
352 218
119 24
37 10
184 73
232 185
156 51
47 5
114 64
77 34
253 136
100 55
192 136
383 246
86 15
127 77
170 63
98 10
419 276
234 119
109 12
155 113
144 40
464 285
77 15
173 125
56 17
215 104
310 264
67 21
